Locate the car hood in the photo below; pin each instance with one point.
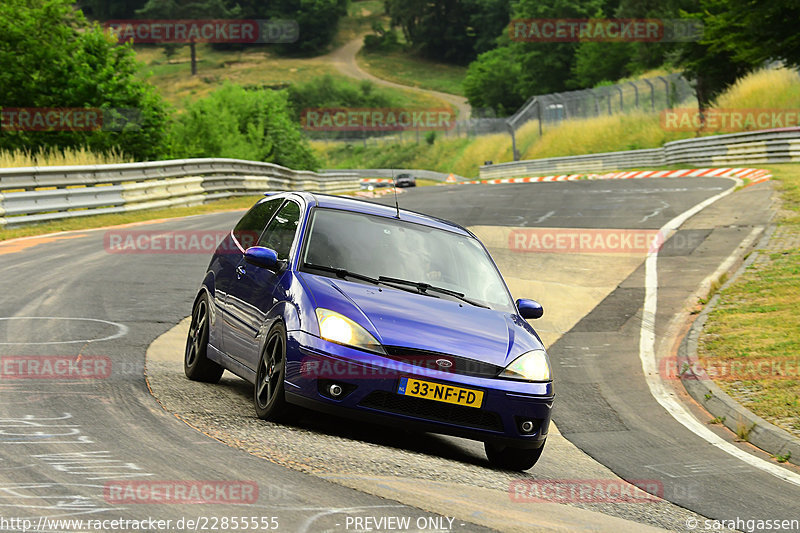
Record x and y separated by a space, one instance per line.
409 320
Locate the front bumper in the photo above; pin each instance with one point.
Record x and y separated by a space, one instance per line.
370 383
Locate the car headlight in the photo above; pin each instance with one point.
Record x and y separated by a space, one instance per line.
338 328
531 366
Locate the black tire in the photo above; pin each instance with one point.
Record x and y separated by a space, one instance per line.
196 365
269 398
510 458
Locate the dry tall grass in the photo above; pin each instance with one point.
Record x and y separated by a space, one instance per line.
763 89
69 156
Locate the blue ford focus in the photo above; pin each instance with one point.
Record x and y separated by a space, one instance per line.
365 311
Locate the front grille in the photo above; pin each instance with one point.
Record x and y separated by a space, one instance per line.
431 410
427 359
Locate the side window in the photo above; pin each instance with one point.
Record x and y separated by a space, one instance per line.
281 230
252 223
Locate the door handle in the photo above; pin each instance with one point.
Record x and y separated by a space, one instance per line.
240 271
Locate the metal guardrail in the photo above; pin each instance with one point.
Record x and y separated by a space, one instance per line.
751 148
40 194
579 163
394 172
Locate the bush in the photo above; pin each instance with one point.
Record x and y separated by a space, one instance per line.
234 122
382 40
326 91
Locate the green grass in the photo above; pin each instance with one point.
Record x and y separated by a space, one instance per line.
407 69
248 68
253 67
443 155
756 318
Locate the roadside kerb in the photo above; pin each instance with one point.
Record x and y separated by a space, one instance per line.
708 394
754 175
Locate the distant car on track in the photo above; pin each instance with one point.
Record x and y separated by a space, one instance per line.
405 180
361 310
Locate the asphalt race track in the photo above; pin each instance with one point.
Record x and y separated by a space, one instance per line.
66 444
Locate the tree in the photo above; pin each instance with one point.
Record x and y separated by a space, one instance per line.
449 30
187 10
753 32
715 62
243 124
103 10
500 80
318 21
327 92
492 82
51 57
597 62
547 66
649 55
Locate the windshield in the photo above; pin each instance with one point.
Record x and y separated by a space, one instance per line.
377 246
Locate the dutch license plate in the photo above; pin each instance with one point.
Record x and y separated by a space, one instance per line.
439 392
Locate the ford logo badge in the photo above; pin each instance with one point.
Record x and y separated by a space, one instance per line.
444 363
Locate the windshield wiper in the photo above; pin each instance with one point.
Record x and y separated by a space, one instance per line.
425 287
342 273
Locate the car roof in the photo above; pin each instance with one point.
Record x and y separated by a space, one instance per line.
345 203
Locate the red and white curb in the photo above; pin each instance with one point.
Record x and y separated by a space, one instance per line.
754 175
378 192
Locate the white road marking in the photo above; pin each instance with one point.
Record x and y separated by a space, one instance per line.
647 355
664 205
122 330
544 217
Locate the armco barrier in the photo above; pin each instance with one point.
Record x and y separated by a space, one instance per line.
737 149
39 194
752 148
394 172
579 163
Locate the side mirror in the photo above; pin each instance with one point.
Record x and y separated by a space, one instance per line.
530 309
262 257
